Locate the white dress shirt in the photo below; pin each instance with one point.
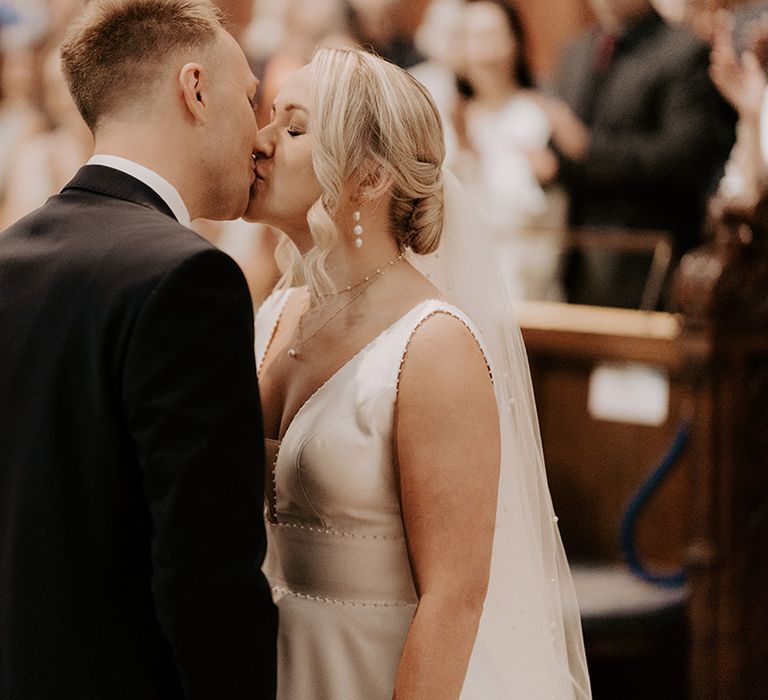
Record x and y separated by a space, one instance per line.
164 189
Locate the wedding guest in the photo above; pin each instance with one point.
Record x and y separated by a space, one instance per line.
702 16
30 23
743 81
505 160
238 16
61 14
641 136
306 25
437 40
388 27
43 163
746 16
7 15
20 118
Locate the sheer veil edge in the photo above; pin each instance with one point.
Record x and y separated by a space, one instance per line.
529 643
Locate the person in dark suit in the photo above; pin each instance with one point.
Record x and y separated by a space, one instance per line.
131 449
641 135
746 18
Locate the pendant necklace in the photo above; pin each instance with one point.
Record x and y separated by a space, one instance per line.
293 351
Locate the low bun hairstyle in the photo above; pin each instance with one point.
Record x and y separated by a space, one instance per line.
368 115
417 214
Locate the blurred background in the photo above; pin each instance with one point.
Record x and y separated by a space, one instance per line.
616 150
521 87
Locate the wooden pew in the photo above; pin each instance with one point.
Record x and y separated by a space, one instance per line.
595 466
635 633
711 515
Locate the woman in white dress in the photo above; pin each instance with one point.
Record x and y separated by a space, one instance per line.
505 161
412 547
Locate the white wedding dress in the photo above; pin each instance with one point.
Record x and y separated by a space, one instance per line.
336 558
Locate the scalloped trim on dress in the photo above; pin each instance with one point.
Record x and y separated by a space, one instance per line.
286 295
447 312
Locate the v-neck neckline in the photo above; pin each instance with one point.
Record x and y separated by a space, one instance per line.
310 399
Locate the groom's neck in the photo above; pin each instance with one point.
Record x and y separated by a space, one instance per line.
158 150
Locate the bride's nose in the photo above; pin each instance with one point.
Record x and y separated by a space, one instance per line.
265 146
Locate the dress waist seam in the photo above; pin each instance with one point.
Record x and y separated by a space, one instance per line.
347 603
333 532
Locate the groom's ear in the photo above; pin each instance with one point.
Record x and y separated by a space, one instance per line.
190 82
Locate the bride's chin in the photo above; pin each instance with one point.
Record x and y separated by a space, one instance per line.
253 215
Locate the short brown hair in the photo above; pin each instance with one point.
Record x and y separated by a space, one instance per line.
118 48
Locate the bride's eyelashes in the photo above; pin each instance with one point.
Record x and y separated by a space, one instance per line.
296 131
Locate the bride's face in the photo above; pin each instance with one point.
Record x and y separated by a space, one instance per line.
286 185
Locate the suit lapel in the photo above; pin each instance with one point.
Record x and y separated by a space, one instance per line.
115 183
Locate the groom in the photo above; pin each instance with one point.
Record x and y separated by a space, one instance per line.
131 453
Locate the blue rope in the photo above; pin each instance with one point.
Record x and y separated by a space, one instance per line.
638 503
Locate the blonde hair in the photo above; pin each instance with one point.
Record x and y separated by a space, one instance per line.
368 115
118 48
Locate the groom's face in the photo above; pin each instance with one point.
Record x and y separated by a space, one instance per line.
230 133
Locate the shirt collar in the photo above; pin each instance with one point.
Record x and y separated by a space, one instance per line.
151 179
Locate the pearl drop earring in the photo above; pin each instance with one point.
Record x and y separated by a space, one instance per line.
357 230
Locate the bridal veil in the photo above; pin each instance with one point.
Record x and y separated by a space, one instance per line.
529 644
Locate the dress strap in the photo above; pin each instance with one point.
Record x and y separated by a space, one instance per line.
266 322
428 310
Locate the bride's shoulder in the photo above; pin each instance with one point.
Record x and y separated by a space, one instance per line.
444 371
446 339
448 318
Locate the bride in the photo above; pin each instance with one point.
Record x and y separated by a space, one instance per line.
413 551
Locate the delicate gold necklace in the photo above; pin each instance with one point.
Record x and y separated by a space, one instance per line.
379 271
293 351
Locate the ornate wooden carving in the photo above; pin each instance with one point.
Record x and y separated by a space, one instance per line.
723 285
722 290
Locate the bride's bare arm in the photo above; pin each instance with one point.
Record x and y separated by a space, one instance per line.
447 441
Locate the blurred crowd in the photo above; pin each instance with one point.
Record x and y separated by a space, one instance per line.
579 176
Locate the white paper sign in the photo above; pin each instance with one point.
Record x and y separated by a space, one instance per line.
629 393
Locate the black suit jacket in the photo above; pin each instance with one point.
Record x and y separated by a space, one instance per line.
660 137
131 457
660 132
